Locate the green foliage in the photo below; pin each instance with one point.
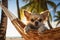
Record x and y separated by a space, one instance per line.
52 4
38 6
35 6
57 17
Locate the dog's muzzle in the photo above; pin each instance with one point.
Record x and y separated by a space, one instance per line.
36 23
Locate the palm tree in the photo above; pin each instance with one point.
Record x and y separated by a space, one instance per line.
58 15
37 6
17 3
47 35
3 22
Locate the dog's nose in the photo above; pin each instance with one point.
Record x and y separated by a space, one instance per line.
36 23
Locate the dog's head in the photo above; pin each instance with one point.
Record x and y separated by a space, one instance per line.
36 19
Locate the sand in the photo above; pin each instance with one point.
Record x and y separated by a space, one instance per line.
14 38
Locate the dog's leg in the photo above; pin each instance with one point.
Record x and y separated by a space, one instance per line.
42 29
26 29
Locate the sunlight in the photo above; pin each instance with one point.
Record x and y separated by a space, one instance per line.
24 20
11 30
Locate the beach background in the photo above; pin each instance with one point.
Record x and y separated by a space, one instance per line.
14 38
12 33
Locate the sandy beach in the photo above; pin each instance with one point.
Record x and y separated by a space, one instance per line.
8 38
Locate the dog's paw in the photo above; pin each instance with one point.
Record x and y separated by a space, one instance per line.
26 29
25 32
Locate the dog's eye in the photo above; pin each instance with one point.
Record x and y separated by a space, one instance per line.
32 20
40 20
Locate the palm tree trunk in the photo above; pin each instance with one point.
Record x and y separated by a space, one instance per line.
44 6
50 26
18 11
3 22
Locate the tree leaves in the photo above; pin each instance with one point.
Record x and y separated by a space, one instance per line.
52 4
57 17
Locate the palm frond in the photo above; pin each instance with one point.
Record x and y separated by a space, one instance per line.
58 23
52 4
56 16
25 0
31 7
58 13
58 4
57 19
50 17
28 4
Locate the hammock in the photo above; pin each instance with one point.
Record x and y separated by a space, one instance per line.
52 34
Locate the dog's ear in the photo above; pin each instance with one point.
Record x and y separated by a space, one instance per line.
45 15
27 14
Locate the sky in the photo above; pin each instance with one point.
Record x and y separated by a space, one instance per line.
11 31
58 8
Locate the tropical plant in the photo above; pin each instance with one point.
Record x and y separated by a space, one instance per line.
35 6
18 11
38 6
3 25
57 16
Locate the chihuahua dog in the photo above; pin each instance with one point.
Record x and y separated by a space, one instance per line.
35 22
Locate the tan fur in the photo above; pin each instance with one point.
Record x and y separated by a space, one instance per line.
36 20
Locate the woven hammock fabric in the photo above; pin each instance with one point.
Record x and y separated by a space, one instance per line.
52 34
